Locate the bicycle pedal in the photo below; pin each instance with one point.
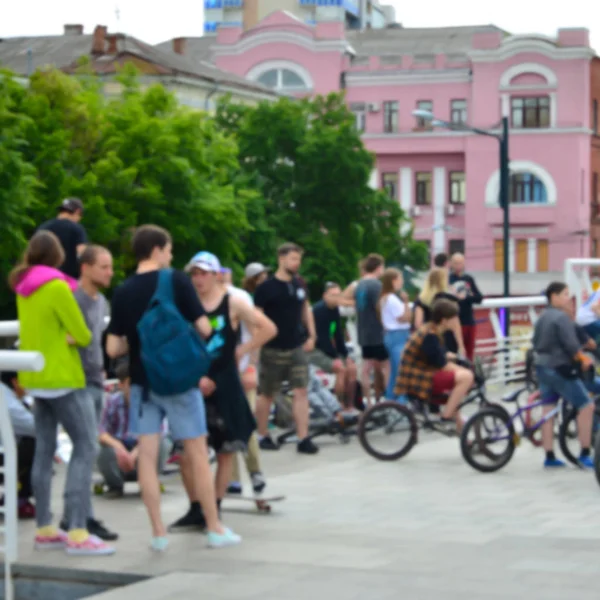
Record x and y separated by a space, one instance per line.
516 439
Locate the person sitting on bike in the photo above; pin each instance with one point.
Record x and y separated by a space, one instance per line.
559 362
425 367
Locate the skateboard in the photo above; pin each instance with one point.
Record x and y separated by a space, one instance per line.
262 503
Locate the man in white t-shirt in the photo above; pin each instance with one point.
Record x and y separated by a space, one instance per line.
247 367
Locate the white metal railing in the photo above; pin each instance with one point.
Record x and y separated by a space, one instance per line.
503 358
577 277
11 360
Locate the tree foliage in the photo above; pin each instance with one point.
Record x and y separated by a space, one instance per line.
237 184
312 171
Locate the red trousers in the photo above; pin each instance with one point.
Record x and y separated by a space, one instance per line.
469 332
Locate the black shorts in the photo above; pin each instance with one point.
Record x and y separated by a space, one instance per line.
375 353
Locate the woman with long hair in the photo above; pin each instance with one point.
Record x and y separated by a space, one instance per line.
52 323
395 315
436 286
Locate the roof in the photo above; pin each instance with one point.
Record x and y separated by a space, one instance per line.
198 48
416 41
64 52
48 50
185 65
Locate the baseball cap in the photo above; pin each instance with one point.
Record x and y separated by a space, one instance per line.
71 205
254 269
205 261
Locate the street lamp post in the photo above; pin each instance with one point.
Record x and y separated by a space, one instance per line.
504 192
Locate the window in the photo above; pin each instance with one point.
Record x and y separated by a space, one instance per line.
390 184
530 113
526 188
542 256
595 118
423 192
458 112
428 106
456 246
359 110
390 116
594 248
282 80
498 255
595 198
457 188
521 256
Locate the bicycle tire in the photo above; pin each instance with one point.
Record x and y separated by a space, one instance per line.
467 449
597 458
372 412
563 433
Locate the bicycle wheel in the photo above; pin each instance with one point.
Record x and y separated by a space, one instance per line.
481 436
387 431
568 438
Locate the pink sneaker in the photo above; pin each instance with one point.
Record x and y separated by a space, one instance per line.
51 542
91 546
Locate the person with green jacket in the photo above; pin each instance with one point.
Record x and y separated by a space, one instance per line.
52 324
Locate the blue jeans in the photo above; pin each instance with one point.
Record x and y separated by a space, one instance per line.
394 342
552 384
184 412
593 329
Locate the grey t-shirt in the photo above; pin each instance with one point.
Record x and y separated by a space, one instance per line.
555 340
94 310
370 329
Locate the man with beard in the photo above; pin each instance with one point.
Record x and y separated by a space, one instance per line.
96 274
283 299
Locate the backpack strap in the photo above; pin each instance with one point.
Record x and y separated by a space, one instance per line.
164 287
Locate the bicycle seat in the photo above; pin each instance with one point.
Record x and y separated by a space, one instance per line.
513 396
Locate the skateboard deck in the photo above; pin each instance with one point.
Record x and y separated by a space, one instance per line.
100 488
262 503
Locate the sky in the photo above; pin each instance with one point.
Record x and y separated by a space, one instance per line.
159 21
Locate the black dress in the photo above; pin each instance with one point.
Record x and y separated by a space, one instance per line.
449 338
229 418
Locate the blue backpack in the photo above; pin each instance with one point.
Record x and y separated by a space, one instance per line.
173 354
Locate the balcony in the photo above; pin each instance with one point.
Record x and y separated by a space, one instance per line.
218 4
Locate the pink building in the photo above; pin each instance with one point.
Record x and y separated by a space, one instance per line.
447 181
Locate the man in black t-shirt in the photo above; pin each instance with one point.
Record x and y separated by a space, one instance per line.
71 234
283 299
185 412
330 353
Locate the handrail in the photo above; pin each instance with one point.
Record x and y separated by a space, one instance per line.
11 360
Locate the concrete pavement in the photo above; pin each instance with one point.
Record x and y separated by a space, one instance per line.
422 527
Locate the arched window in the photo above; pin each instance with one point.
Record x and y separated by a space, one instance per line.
526 188
282 80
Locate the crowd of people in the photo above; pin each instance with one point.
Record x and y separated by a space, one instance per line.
245 343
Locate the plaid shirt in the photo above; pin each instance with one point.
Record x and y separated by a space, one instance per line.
415 376
115 417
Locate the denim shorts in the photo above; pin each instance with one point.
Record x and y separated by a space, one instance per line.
552 384
185 414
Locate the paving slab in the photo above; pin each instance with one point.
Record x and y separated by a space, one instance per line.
423 527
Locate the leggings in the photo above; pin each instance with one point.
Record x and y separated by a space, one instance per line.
75 413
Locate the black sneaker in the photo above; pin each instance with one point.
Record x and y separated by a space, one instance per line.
258 482
98 529
234 488
193 520
267 443
307 446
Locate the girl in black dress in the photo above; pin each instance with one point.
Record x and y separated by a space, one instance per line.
436 287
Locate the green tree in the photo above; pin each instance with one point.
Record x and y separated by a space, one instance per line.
18 184
309 164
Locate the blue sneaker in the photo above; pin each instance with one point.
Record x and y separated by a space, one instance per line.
554 463
221 540
587 462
